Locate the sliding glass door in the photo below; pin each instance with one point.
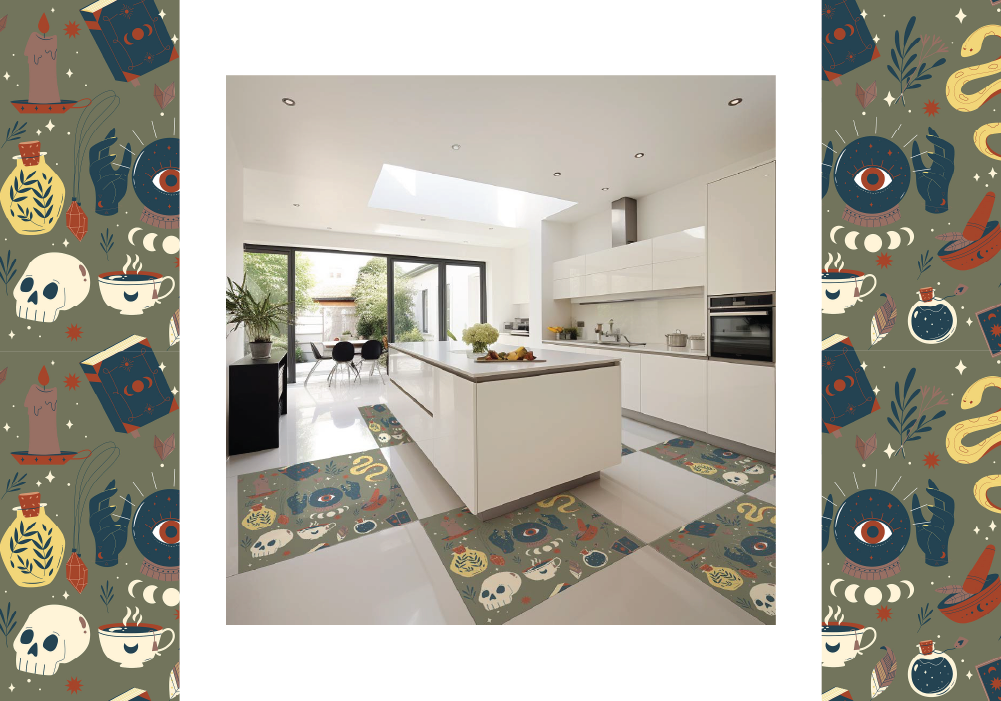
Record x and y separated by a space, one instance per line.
271 272
464 303
416 308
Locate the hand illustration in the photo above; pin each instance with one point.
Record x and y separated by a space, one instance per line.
933 535
825 521
933 182
110 535
110 183
826 166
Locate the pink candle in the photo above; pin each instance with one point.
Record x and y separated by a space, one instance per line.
43 436
43 87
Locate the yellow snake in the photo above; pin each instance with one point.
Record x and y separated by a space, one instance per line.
967 454
563 508
968 102
367 461
755 511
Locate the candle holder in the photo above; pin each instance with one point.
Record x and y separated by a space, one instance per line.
41 404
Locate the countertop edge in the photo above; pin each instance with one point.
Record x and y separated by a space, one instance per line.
626 349
503 375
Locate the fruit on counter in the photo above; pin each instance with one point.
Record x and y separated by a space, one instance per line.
519 353
556 329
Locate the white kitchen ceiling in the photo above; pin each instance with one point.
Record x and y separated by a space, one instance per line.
326 153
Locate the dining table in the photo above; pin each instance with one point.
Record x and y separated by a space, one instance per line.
356 342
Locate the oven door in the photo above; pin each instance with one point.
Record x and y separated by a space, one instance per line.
742 334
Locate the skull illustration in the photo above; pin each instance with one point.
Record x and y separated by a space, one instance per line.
735 478
755 470
269 543
315 532
763 596
384 437
51 636
498 589
52 283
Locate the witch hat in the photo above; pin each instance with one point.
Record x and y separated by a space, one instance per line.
981 239
689 552
262 488
453 529
375 502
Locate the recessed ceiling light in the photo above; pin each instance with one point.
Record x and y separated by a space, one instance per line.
639 155
603 189
294 204
557 174
735 101
456 147
490 228
465 241
330 228
288 101
423 219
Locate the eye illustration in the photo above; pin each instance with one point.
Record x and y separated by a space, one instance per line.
530 532
156 531
167 180
872 528
873 179
156 180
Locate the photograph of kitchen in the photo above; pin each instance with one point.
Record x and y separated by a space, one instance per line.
501 349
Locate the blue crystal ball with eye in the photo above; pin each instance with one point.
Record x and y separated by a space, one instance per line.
872 175
872 527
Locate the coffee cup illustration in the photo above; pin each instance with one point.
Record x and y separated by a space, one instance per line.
541 571
841 289
841 642
133 644
131 293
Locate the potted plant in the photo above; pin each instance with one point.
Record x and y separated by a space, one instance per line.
260 318
480 336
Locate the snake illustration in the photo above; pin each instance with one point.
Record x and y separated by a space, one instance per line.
954 438
361 465
755 513
968 102
563 508
980 492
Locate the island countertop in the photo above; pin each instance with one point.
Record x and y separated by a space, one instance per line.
453 357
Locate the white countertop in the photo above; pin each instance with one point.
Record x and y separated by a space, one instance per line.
659 348
443 354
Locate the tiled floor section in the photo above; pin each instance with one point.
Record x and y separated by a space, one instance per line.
402 563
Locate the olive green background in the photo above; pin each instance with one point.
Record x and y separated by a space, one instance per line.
891 360
36 344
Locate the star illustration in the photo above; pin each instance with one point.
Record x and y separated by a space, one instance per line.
875 39
960 16
73 332
73 685
889 98
174 391
66 595
931 108
6 427
993 526
11 687
864 15
992 173
50 126
976 529
70 73
931 461
72 29
38 131
65 243
884 260
889 450
162 366
969 321
50 477
162 13
11 334
969 675
875 390
883 613
960 367
864 366
69 424
976 176
71 381
38 484
6 76
174 39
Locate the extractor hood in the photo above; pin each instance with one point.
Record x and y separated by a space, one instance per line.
623 221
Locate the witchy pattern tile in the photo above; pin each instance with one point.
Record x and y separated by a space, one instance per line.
731 549
385 427
310 506
507 565
740 472
626 450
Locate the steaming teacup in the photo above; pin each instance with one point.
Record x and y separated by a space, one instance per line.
132 644
838 643
841 289
544 570
131 293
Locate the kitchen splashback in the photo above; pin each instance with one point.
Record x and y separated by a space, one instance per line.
645 320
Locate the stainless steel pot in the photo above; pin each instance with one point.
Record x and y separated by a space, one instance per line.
698 341
677 339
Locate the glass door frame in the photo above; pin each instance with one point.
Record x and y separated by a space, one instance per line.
442 264
289 254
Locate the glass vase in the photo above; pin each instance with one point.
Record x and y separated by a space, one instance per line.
33 546
479 347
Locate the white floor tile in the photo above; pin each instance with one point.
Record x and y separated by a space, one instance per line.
427 490
765 492
638 435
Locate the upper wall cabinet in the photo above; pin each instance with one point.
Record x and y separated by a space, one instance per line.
628 256
689 243
571 267
741 232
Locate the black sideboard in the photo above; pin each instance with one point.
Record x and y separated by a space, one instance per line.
258 396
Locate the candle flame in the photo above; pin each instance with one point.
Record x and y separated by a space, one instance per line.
43 24
43 376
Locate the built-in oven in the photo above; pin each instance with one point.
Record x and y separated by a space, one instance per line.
742 327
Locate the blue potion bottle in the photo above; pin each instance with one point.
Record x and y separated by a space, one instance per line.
932 319
932 672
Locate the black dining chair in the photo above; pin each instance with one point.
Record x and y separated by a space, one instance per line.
371 352
319 356
343 354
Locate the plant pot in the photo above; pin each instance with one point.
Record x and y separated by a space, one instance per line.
260 350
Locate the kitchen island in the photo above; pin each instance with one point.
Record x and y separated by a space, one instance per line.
506 434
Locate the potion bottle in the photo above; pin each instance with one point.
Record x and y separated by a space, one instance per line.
33 546
33 195
931 319
931 672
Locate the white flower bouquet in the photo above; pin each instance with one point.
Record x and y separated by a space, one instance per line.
480 336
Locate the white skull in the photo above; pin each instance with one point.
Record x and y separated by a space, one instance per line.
315 532
51 636
269 543
735 478
763 596
384 438
498 589
755 470
53 282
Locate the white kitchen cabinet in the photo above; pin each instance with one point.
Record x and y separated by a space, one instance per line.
563 348
690 243
630 365
628 256
689 272
568 287
742 403
571 267
674 389
741 232
624 280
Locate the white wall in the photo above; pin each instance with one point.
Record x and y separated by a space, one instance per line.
556 239
519 277
234 235
498 260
